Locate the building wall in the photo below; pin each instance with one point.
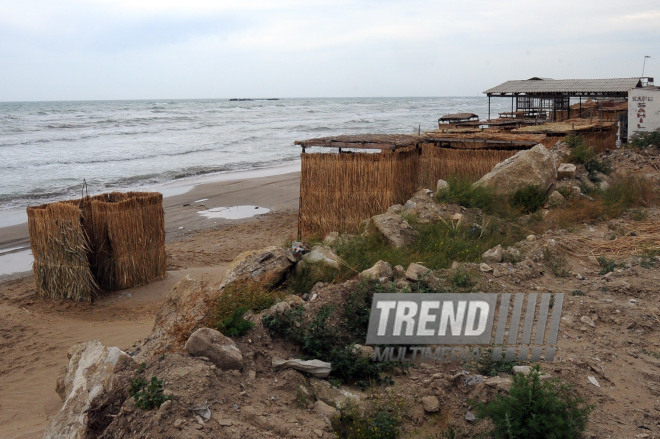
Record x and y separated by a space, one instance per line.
643 110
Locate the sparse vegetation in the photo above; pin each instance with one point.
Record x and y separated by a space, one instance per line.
381 420
557 262
148 395
644 140
334 343
462 192
488 367
528 199
583 154
237 298
606 265
461 279
536 408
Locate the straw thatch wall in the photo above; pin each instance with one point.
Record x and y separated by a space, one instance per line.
127 238
437 163
60 248
114 241
337 191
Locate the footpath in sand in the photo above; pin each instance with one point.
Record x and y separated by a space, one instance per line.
36 334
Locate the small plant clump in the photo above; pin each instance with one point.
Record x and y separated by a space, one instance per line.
556 262
644 140
148 395
583 154
381 420
536 409
606 265
237 298
528 198
462 191
461 279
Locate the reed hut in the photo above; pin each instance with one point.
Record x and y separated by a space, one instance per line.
338 190
110 241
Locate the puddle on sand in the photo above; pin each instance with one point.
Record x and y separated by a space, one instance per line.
16 262
234 212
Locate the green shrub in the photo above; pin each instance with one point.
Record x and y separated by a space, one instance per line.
606 265
381 420
236 299
536 408
462 192
235 325
644 140
488 367
528 198
148 395
319 339
461 279
580 151
303 279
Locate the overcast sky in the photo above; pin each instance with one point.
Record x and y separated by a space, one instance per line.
143 49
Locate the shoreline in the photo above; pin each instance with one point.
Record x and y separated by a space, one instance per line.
182 200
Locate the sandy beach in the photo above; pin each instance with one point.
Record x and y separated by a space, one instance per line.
35 334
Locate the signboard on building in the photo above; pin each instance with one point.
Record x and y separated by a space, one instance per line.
643 110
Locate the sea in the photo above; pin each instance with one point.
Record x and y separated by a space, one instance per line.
52 151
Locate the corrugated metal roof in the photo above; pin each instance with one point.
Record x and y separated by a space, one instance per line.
541 86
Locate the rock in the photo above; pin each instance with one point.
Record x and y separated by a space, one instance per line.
316 368
334 397
535 166
325 410
416 272
331 239
556 199
322 256
419 273
363 351
268 265
593 380
472 380
399 272
423 207
441 186
278 308
394 228
603 185
380 271
485 268
493 256
576 192
579 276
470 417
431 404
93 386
522 370
512 254
566 170
397 209
587 321
221 350
499 383
185 310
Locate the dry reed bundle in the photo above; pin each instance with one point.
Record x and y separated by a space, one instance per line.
127 238
60 248
437 163
114 241
338 191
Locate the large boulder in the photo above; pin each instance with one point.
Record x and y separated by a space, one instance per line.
186 309
422 206
221 350
93 387
394 229
534 166
268 265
